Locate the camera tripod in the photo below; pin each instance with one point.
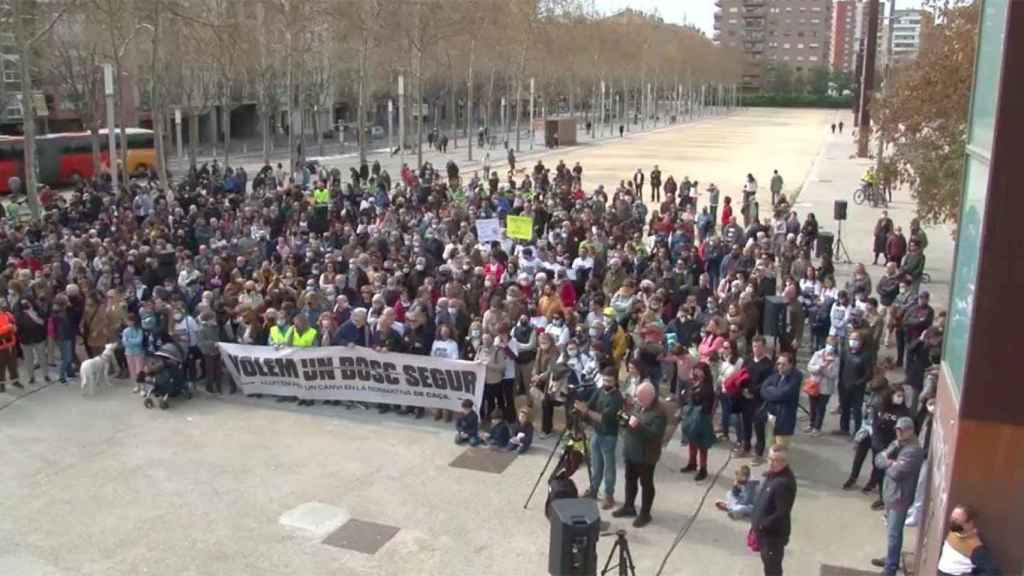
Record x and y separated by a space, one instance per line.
839 253
625 565
577 441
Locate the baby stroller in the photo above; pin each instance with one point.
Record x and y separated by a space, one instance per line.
164 378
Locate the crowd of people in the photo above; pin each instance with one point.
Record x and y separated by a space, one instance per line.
616 306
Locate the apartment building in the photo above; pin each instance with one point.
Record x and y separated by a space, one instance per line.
794 32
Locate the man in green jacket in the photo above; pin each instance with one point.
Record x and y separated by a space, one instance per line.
603 412
641 451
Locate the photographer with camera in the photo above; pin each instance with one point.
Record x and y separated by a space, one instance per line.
603 411
641 451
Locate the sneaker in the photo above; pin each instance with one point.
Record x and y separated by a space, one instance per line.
642 520
877 505
740 453
721 505
878 562
17 385
815 433
592 494
624 512
850 484
701 475
808 430
688 468
32 381
608 504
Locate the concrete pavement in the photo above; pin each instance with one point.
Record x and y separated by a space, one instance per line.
101 486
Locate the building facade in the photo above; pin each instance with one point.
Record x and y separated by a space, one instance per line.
975 456
792 32
906 39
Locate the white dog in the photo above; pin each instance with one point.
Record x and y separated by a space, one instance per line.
96 371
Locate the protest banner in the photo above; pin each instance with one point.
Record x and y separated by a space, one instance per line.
519 227
354 374
488 230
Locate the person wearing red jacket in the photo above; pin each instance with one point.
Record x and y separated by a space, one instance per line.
566 291
8 353
727 211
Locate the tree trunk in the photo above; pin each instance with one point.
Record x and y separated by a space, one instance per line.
469 102
361 107
28 121
94 140
290 62
265 129
225 111
193 137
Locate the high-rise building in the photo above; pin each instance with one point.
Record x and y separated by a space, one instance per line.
793 32
842 48
849 25
906 39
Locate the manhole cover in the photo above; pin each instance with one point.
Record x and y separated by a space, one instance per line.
484 460
361 536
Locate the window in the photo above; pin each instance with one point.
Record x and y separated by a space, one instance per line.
11 76
813 58
13 111
786 45
800 58
800 46
732 21
733 9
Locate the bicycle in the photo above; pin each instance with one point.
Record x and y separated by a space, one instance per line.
872 194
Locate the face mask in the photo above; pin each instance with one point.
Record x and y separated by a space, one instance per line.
897 400
595 333
572 351
930 408
830 348
854 344
475 333
282 323
557 323
178 316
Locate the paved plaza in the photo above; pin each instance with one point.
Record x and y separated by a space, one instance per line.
235 486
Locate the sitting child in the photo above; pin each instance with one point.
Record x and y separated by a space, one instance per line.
739 501
517 437
467 425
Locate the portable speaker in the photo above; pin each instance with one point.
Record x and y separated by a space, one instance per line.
840 210
774 316
575 528
824 244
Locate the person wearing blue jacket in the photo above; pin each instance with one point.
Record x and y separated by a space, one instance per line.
781 393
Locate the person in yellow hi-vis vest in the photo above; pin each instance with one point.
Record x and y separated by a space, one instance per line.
277 336
301 335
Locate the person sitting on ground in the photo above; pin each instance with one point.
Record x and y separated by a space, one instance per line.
739 500
517 437
467 425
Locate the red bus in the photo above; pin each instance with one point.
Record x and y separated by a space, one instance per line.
63 156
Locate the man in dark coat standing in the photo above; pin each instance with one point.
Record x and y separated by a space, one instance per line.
883 228
781 393
770 520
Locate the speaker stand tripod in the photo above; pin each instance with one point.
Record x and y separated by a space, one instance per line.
625 565
839 254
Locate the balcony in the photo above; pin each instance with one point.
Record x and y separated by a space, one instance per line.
753 47
753 2
754 23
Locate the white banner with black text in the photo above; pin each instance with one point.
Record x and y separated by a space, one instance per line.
354 374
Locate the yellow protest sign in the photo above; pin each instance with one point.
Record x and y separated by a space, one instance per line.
519 227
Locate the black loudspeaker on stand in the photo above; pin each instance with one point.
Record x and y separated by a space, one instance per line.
774 316
841 255
575 528
840 210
